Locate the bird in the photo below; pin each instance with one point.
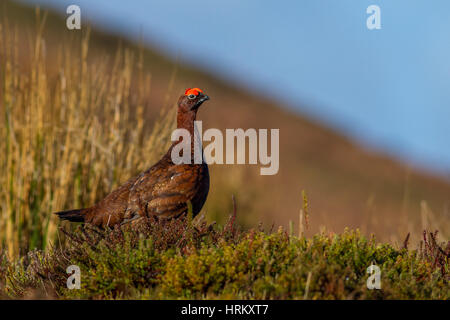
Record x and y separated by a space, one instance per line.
166 190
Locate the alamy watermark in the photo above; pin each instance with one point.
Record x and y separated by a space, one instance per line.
235 140
374 280
374 20
74 280
73 21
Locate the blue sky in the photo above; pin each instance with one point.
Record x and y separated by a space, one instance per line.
385 88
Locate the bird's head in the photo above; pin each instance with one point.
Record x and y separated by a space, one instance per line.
191 100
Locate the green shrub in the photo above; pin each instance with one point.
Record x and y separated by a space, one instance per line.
174 260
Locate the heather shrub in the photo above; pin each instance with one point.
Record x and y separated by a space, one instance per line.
192 260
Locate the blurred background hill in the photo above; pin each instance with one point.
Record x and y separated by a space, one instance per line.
349 182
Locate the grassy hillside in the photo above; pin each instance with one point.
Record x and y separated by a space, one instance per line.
83 110
178 261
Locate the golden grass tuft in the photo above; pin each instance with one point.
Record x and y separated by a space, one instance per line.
72 129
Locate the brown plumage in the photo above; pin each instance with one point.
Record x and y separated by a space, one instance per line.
164 190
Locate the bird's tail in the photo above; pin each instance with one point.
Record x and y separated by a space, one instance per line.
73 215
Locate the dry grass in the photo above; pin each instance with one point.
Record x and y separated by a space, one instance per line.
70 133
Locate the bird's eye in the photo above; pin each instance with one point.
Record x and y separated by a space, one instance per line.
191 96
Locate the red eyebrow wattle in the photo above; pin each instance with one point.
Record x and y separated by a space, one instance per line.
194 91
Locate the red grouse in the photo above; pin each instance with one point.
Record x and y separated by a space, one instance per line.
164 190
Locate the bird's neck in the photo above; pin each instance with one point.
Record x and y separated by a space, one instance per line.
186 121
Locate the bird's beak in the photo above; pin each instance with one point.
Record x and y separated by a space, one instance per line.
202 99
